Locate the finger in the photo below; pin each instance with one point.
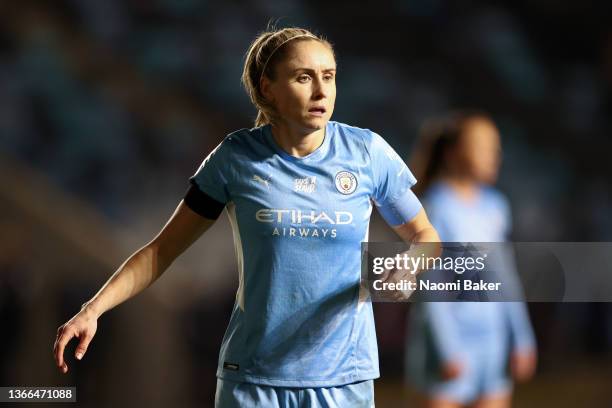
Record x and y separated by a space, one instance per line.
55 347
61 345
82 347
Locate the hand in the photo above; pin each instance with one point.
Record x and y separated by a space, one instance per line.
451 370
83 326
396 276
523 365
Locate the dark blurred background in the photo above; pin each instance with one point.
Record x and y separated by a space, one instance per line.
107 107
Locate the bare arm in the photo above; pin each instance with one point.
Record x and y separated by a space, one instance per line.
423 240
421 234
418 230
147 264
138 272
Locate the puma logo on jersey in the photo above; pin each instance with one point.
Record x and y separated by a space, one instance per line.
265 182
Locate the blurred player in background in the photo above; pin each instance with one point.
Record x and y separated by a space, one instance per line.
458 352
298 189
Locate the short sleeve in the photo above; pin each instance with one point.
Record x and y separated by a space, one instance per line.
214 174
392 182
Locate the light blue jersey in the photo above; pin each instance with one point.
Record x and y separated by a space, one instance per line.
297 225
486 219
479 334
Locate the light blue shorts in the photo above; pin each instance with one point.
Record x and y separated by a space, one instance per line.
231 394
484 375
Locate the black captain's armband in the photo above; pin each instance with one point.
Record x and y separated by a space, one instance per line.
202 203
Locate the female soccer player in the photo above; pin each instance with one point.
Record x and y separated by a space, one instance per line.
298 189
457 352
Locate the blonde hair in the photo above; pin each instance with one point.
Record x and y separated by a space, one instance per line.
261 58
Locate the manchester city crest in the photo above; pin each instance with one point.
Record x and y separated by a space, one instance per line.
346 182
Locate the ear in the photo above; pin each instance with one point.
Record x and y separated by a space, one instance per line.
265 85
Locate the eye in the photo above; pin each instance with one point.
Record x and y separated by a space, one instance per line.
328 77
303 78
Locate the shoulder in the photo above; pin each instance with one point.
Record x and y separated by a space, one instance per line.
495 198
346 129
364 138
350 131
498 206
438 201
239 141
438 194
243 137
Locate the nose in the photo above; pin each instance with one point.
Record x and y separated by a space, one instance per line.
319 89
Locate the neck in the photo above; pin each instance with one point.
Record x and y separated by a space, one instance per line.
297 142
465 187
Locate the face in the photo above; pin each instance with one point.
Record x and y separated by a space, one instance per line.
303 91
479 151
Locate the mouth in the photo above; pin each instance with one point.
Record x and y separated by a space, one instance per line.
317 110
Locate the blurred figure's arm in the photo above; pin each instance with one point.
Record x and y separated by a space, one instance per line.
445 336
523 357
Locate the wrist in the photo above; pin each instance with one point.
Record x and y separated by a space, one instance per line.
91 309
